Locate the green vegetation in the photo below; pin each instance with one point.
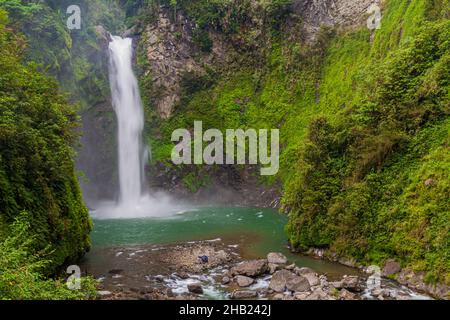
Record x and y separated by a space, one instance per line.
373 179
37 175
73 57
363 119
22 269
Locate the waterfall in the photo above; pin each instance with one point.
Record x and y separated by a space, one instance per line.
133 201
127 104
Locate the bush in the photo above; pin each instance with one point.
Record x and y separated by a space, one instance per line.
21 269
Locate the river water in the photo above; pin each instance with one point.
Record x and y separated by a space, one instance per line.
256 232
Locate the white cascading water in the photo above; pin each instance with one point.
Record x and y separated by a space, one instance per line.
130 117
133 202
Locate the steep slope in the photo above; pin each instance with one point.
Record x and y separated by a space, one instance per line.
363 114
37 171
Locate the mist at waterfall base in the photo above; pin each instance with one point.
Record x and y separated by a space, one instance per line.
134 201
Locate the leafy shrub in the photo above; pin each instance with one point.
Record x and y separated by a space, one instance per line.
37 174
21 269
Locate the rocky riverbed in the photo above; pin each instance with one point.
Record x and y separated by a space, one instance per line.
212 269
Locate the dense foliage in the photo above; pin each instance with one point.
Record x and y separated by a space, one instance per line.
22 269
363 118
37 174
74 57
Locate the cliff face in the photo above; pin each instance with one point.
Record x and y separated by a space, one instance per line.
171 50
363 117
170 53
317 13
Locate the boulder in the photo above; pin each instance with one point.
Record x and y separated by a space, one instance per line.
290 267
276 258
304 270
323 281
104 294
279 280
182 275
301 295
319 294
284 279
391 267
351 283
243 294
348 282
225 280
195 288
346 295
273 267
244 281
312 278
278 296
298 284
250 268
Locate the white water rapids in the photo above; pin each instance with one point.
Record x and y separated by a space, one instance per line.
133 201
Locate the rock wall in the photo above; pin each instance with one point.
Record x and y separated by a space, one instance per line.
170 52
332 13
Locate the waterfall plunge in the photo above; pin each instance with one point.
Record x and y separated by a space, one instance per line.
133 202
130 117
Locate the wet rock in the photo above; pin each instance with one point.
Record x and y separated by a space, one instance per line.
348 282
104 294
243 294
244 281
290 267
385 293
115 271
225 280
298 284
312 278
130 32
195 288
319 294
276 258
351 283
324 281
301 295
159 278
250 268
278 296
169 293
101 33
285 279
221 256
182 275
273 267
304 270
279 280
346 295
391 267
